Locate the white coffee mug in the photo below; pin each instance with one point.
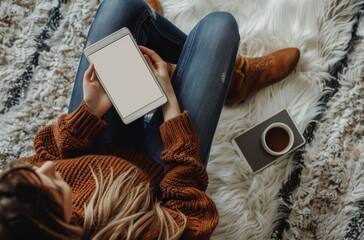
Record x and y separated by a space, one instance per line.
277 139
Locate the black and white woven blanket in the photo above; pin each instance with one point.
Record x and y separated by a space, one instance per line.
316 193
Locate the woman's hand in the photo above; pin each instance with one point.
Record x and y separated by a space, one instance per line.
94 94
159 68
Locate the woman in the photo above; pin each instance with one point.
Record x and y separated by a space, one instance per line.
92 177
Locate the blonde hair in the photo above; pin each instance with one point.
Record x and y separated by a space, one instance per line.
121 209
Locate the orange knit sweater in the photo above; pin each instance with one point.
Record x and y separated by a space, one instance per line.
180 185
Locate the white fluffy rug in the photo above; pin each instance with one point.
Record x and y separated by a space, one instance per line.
315 195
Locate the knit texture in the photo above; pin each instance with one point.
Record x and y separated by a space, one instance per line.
180 186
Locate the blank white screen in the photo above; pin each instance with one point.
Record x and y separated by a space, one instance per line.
125 76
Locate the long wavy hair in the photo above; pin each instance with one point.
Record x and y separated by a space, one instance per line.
118 209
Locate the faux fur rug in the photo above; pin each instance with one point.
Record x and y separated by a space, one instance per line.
315 194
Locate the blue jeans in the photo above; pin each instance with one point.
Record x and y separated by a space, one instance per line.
204 59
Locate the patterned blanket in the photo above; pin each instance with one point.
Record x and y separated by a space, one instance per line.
316 193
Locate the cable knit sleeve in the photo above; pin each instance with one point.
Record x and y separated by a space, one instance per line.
72 133
184 184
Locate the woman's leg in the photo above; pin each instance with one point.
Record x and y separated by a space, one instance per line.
149 29
201 80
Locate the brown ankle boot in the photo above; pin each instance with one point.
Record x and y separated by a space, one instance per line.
156 5
250 75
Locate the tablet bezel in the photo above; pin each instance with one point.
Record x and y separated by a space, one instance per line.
146 108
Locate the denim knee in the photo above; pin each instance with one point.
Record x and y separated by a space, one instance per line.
221 25
115 14
117 5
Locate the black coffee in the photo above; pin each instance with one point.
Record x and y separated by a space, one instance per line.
277 139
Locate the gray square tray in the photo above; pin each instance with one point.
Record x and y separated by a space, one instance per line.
249 146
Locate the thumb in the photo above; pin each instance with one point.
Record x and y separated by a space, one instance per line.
151 65
92 77
89 72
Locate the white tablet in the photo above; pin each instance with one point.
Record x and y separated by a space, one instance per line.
125 75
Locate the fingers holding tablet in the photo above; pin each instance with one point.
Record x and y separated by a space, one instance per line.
94 94
158 65
159 68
